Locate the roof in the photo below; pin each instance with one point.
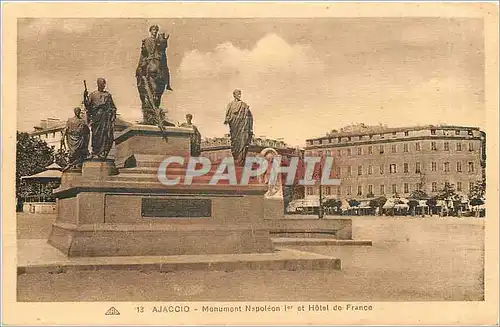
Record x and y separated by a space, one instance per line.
45 175
52 171
53 166
362 129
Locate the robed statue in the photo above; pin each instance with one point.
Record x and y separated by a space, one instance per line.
101 114
77 136
153 76
240 121
195 137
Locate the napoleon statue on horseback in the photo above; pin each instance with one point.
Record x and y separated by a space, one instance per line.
153 76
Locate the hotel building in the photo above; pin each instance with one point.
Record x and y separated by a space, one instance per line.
218 148
376 161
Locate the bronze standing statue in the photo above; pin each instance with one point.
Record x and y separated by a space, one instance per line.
77 136
101 113
153 76
195 137
240 121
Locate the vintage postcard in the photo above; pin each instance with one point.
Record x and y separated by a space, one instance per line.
250 163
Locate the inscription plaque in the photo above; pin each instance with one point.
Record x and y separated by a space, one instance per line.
154 207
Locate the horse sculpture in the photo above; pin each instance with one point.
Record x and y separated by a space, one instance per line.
153 77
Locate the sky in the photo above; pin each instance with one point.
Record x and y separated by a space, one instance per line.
301 77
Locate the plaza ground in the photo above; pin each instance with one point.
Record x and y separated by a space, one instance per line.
412 259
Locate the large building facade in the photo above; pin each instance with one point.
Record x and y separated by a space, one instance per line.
218 148
376 161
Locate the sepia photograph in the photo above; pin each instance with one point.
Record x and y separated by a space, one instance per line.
250 166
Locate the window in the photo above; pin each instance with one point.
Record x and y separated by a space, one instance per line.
471 186
370 136
381 149
392 168
405 168
360 190
338 191
370 149
457 132
370 169
394 188
339 140
471 167
360 170
433 146
434 186
348 190
446 167
433 166
394 133
381 169
417 168
360 152
320 141
328 190
382 189
406 188
394 148
407 133
433 132
348 152
370 189
459 186
459 167
418 186
405 147
339 153
417 146
459 146
337 171
360 138
348 138
309 191
469 132
381 136
349 171
446 146
471 146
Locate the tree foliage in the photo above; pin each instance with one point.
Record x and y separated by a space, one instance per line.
478 190
418 195
353 203
32 156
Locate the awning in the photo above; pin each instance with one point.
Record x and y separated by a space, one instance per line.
389 204
51 172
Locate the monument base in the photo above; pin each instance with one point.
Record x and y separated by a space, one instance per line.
103 211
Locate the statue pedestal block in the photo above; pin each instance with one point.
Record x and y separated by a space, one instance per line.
149 140
131 213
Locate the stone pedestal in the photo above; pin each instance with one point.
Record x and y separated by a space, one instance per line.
104 211
150 140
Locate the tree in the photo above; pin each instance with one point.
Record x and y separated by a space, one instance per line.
353 203
333 203
476 194
432 202
62 157
32 156
413 204
378 203
418 195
